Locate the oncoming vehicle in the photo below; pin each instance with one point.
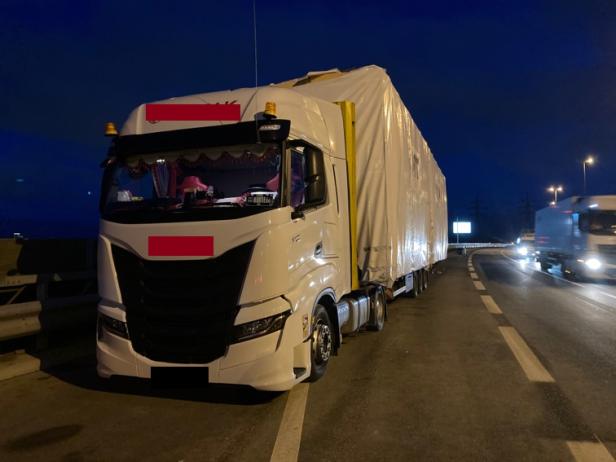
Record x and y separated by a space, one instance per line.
525 245
579 234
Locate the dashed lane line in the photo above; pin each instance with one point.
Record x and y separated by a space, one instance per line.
589 451
490 304
532 367
582 451
479 285
286 447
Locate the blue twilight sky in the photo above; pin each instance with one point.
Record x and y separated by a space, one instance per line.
509 95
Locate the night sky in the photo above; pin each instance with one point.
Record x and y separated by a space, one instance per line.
510 95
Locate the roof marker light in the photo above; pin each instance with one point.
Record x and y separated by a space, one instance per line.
270 110
110 129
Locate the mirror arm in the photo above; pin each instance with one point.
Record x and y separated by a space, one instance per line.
295 214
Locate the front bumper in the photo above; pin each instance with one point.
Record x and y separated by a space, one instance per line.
274 362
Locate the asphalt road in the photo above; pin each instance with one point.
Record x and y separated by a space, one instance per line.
512 365
571 325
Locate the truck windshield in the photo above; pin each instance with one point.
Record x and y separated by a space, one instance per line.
206 184
599 222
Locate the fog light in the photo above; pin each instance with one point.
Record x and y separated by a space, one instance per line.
593 264
112 325
259 327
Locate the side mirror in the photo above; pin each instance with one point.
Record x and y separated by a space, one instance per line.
315 177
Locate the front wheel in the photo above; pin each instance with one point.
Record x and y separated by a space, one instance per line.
544 265
321 343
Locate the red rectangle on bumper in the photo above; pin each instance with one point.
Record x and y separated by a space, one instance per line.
177 112
181 246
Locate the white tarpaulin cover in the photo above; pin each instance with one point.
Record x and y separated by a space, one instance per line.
402 198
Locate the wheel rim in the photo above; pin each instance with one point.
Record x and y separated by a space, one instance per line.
321 342
379 312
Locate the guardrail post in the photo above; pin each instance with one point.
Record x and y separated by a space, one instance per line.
42 294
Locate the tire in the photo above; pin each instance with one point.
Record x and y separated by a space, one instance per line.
420 281
567 271
544 265
378 308
321 343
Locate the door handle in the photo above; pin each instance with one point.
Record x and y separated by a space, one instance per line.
318 250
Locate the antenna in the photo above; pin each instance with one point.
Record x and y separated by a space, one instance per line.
254 22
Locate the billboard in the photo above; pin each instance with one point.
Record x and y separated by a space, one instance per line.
462 227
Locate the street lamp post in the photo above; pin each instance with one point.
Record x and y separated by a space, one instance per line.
589 160
555 190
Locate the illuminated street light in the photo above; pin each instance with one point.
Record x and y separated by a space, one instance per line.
589 160
555 190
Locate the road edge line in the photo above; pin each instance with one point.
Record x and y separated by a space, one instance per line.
289 437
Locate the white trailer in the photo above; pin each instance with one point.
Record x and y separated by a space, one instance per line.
244 232
578 233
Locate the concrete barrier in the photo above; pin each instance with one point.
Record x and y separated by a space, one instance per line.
38 304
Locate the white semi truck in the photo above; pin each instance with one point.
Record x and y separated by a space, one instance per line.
579 234
244 232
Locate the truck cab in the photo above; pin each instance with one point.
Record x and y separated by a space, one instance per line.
226 246
579 233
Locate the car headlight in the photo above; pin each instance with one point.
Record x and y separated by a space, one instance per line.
523 251
593 264
259 327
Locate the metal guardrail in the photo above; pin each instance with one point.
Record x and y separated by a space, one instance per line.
477 245
45 313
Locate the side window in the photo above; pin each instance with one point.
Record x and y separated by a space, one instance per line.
307 186
298 175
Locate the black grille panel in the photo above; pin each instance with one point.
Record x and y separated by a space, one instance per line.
608 252
181 311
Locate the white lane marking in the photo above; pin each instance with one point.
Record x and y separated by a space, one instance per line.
563 279
286 448
474 275
490 304
589 451
532 367
479 285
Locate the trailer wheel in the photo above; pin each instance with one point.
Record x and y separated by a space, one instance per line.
377 310
321 343
420 281
414 292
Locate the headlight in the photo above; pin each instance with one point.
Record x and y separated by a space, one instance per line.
593 264
259 327
523 251
112 325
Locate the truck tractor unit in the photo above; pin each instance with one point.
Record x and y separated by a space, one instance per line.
579 234
244 232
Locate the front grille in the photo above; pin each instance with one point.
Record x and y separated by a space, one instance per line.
181 311
608 252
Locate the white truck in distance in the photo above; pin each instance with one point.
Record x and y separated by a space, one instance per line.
244 232
578 233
